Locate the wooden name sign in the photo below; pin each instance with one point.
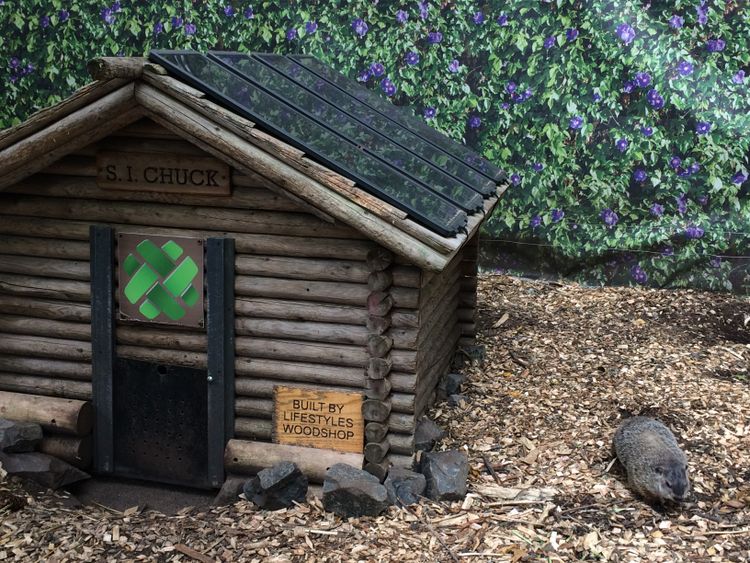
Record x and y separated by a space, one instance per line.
162 172
318 419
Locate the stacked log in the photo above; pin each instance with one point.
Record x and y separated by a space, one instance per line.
66 424
468 292
377 406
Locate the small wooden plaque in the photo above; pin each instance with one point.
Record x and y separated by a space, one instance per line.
319 419
162 172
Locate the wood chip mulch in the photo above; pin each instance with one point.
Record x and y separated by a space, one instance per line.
563 365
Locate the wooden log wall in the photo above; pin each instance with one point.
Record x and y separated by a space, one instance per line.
317 305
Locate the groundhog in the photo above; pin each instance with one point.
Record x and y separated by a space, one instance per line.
656 466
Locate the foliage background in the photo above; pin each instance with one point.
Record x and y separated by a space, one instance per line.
548 90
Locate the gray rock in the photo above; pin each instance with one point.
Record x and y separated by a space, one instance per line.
351 492
427 435
404 486
41 468
452 383
230 491
446 474
18 437
456 400
277 487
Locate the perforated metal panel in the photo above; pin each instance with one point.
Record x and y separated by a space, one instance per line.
161 423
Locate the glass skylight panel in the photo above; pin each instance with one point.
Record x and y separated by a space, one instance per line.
402 116
245 98
380 123
331 117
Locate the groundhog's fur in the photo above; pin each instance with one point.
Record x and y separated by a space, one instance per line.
656 466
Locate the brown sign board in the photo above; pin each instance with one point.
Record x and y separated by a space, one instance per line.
329 420
160 279
162 172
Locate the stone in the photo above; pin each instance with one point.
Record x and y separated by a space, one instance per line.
351 492
230 491
19 437
452 383
403 486
427 434
446 474
43 469
277 487
456 400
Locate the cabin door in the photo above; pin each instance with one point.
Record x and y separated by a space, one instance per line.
162 322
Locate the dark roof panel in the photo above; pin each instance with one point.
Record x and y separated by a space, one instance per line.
383 156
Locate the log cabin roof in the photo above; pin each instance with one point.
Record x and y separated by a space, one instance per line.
128 89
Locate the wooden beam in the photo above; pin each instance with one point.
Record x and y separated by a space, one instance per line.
66 416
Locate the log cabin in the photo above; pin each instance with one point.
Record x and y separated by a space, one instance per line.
198 245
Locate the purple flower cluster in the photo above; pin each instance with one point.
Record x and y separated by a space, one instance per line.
429 112
537 167
63 16
388 87
647 131
739 178
638 274
377 69
549 42
502 20
291 34
676 22
609 217
639 175
411 58
229 11
401 16
703 127
739 78
424 9
685 68
454 66
474 122
682 204
715 45
625 33
694 232
311 27
248 13
571 34
576 122
360 27
557 215
702 11
17 70
657 210
536 220
622 145
190 28
515 179
478 18
655 99
643 79
521 97
434 37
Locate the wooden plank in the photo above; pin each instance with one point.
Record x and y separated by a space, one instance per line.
47 288
328 292
45 267
245 457
300 310
45 309
46 386
248 243
88 124
162 172
318 419
179 216
18 324
46 367
34 246
40 119
307 330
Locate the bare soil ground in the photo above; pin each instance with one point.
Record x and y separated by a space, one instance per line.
564 364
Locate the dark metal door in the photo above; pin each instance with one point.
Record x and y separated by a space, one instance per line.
160 416
160 422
